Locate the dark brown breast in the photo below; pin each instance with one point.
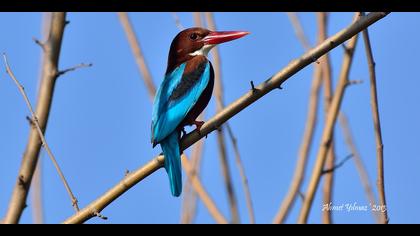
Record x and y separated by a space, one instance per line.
202 101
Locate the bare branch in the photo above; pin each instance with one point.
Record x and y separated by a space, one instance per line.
234 108
242 174
49 75
299 30
133 178
129 181
41 135
298 177
364 178
377 126
177 21
328 93
197 19
313 103
190 196
36 191
326 139
138 54
204 196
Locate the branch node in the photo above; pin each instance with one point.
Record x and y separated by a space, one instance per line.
41 44
347 50
301 195
253 89
21 181
217 127
30 121
74 204
327 143
97 214
314 59
66 22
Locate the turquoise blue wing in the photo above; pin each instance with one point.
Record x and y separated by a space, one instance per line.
170 106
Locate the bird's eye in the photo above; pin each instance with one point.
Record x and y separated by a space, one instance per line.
193 36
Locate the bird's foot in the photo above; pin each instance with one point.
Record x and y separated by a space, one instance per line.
198 125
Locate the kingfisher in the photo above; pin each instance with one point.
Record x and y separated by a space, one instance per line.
184 93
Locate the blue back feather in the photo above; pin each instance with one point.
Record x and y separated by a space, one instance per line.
168 114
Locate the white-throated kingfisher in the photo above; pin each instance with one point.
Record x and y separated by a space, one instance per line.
184 93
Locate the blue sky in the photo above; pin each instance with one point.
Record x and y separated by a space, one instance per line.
100 118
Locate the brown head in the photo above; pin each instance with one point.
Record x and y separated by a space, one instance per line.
196 41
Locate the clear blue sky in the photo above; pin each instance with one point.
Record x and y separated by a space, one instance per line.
100 118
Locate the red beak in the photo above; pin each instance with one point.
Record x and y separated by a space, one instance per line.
217 37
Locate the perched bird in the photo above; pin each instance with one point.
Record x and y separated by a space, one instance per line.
184 93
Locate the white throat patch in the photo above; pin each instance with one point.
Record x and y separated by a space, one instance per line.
203 51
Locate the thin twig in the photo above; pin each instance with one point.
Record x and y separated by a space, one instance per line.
228 112
41 135
204 196
328 131
377 127
297 27
138 54
328 94
221 143
241 168
189 204
197 19
355 82
51 54
301 164
36 188
336 166
312 114
40 44
364 177
81 65
190 196
177 21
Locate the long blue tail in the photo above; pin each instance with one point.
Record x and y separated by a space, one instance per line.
170 148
